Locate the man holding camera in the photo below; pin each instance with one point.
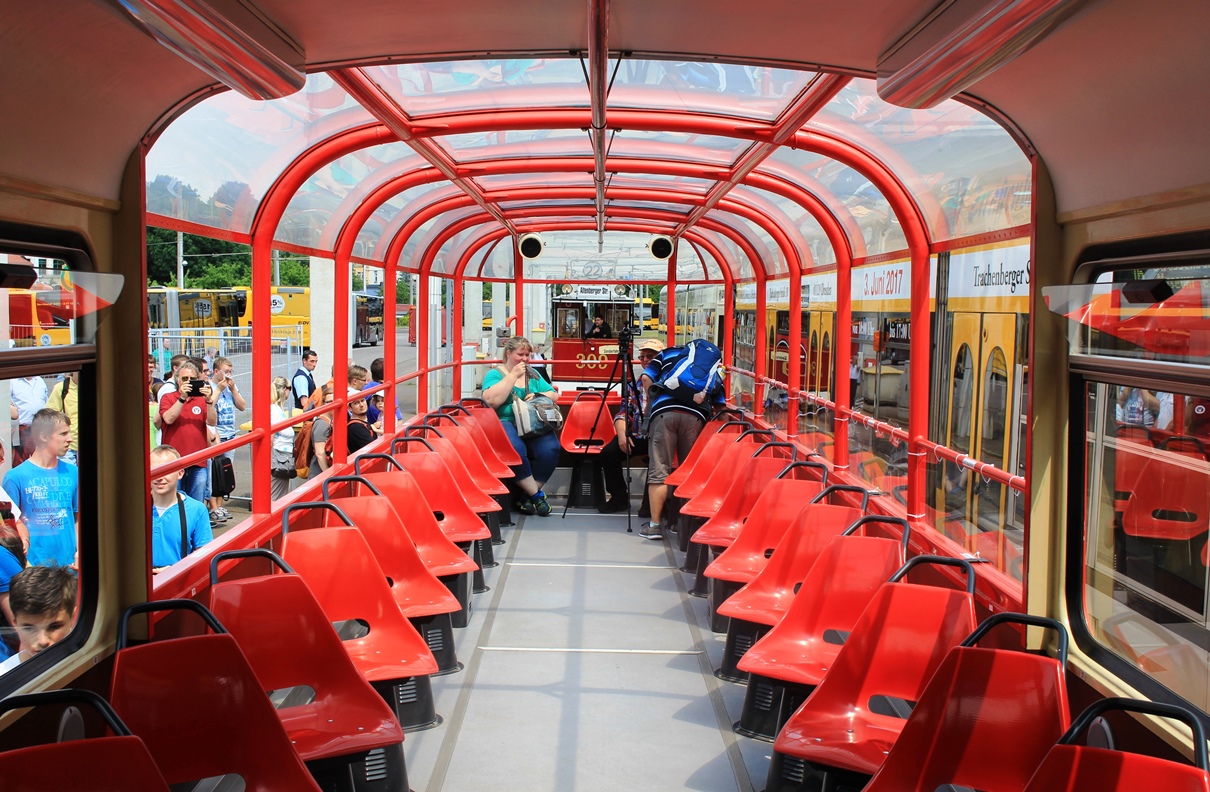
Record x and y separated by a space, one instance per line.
185 414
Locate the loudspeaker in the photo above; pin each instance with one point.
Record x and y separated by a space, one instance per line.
530 245
660 246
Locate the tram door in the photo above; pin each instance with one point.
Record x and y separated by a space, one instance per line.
818 365
981 382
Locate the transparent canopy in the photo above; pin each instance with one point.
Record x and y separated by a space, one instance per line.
214 165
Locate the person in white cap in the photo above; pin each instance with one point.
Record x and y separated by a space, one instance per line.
630 439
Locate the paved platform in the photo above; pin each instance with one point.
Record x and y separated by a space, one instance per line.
587 667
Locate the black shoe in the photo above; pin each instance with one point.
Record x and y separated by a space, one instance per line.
615 504
541 507
526 506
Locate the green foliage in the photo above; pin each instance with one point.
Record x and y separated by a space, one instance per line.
209 263
295 271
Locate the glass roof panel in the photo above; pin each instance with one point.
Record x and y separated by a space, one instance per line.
499 262
759 200
677 146
737 260
516 143
772 259
213 164
376 234
965 171
574 256
807 233
501 182
856 202
662 182
327 199
755 92
427 89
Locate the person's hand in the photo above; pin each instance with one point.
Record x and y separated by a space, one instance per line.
157 570
624 443
206 391
186 389
699 397
520 371
530 396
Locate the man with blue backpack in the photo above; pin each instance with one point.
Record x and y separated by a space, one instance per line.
685 386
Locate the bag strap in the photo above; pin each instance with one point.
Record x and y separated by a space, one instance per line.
66 387
180 507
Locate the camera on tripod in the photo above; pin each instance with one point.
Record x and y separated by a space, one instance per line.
625 343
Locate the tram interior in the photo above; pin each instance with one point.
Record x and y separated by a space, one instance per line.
941 524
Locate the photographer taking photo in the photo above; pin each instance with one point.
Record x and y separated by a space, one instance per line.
185 413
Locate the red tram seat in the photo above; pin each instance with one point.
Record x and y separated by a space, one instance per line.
1132 452
103 764
774 513
423 599
427 474
892 651
350 587
1077 768
200 709
708 438
586 431
724 452
401 504
740 503
751 468
588 426
786 664
480 460
985 721
763 602
1171 500
489 422
491 455
468 471
345 729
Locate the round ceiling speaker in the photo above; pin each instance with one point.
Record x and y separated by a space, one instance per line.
660 246
530 245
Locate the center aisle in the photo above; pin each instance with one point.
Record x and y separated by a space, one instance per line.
586 669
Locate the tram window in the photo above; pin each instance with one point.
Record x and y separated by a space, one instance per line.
1147 514
991 440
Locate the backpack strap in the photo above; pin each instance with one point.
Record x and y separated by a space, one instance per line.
180 507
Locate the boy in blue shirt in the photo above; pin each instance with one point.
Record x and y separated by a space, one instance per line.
179 524
46 490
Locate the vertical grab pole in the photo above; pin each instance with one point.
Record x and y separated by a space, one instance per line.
794 358
761 364
455 309
671 319
918 370
842 342
518 289
422 343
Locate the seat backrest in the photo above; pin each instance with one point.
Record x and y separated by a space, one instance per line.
200 709
480 461
741 497
489 422
1129 460
985 720
491 455
708 439
449 480
104 764
746 479
726 456
402 509
289 642
774 513
895 646
588 425
471 478
1170 501
1078 768
797 554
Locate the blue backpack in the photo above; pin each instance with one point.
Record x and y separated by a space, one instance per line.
696 367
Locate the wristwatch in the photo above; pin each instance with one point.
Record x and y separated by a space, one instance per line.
182 399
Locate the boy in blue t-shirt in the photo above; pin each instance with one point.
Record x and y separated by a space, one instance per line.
46 490
169 544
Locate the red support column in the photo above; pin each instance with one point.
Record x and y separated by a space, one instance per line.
261 449
671 319
340 358
454 306
390 346
518 290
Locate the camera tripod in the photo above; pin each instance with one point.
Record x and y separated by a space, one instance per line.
622 375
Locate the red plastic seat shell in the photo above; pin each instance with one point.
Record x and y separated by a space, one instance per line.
728 520
1169 484
833 597
489 422
430 474
200 709
588 417
768 596
1078 768
893 650
416 590
288 640
705 441
773 514
103 764
986 720
484 466
724 454
477 485
403 505
348 583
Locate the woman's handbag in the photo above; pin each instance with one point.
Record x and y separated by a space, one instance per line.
283 464
537 416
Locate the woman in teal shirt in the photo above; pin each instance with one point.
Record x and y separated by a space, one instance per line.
539 455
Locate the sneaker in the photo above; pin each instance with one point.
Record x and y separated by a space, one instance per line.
650 531
221 514
526 506
541 506
215 520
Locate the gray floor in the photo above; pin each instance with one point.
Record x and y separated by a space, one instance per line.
588 667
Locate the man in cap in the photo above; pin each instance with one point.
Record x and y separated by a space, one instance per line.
631 439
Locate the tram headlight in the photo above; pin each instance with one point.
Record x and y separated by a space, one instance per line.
530 245
660 246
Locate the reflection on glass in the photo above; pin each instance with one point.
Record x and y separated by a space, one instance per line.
1148 510
39 508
